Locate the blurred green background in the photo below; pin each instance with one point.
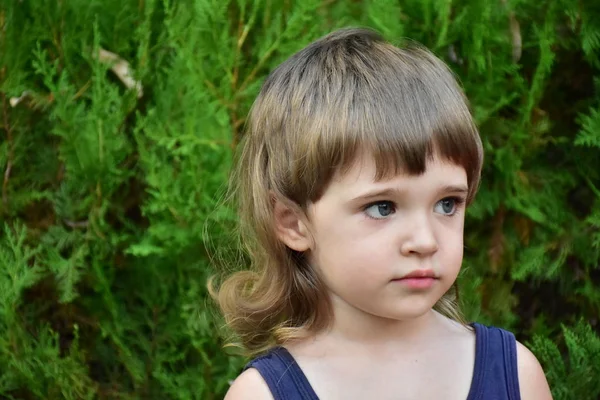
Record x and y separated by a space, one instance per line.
118 123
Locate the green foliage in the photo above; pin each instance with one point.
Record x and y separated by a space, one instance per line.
577 378
110 194
590 132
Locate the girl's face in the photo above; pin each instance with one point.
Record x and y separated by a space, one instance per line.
368 235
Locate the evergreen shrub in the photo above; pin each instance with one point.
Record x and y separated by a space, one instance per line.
118 123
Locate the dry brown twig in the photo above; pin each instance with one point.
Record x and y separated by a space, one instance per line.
121 69
515 33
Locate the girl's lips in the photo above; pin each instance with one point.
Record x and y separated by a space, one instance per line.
418 279
420 273
416 283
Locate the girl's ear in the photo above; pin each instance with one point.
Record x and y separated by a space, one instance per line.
290 228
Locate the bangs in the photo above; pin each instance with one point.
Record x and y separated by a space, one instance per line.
345 98
403 122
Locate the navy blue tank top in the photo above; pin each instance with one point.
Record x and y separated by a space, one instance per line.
495 375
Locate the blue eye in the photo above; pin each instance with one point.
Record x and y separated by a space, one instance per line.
380 210
447 206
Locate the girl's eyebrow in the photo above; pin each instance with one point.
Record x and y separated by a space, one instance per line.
378 193
458 189
390 192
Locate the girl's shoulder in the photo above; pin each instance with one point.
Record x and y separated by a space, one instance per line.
281 375
274 375
249 385
532 380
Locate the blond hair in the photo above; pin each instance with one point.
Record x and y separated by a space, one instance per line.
347 92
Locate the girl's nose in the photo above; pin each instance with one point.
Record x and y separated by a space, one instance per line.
420 239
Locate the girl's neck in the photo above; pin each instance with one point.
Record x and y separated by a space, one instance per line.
357 328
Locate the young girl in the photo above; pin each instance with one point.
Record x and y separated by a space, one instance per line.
352 185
